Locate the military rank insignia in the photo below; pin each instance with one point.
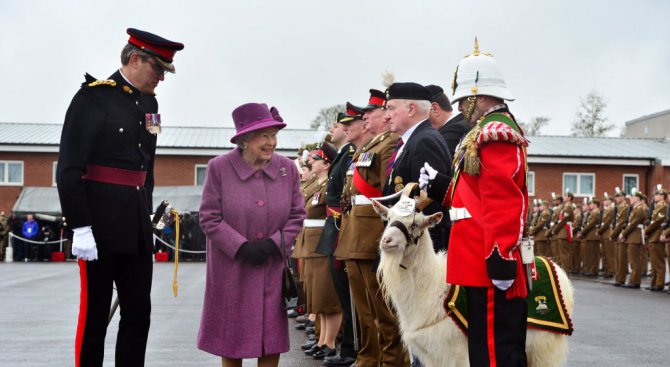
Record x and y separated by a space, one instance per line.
153 123
365 159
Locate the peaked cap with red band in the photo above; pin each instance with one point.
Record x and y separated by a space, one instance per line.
377 99
163 49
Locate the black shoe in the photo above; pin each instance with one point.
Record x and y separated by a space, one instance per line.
309 323
310 331
302 319
337 361
654 289
311 337
631 286
308 345
310 352
292 313
617 284
300 326
325 352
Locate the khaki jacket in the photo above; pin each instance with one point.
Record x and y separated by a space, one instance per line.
559 230
608 221
633 233
362 227
537 230
654 229
314 196
590 226
621 220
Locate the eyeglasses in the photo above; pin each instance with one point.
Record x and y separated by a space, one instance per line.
157 67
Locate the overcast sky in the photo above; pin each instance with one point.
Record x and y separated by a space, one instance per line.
302 56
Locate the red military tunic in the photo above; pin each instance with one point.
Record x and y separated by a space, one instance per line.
486 246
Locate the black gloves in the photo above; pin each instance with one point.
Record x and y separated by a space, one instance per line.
258 252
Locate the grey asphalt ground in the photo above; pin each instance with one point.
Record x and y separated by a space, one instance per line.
614 327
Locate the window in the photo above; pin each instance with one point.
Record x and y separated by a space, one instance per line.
11 173
200 174
53 175
580 184
531 183
629 181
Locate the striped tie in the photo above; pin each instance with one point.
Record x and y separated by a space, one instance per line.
389 167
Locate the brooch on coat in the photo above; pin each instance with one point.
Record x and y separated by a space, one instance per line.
283 172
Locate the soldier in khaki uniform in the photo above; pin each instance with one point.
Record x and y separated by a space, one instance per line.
620 222
591 239
359 237
665 235
633 236
562 231
539 230
604 233
557 202
576 251
656 247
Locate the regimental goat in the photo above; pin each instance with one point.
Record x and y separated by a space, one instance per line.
413 281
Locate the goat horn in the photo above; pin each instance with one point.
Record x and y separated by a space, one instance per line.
423 201
388 197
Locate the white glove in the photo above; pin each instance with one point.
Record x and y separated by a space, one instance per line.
502 284
83 244
426 175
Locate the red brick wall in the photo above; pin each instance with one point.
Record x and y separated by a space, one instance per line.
549 177
37 171
171 170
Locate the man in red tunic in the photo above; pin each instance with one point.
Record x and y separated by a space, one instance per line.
488 201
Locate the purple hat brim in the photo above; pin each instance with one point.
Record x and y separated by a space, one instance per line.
258 126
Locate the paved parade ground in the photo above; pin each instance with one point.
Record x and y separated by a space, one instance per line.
39 304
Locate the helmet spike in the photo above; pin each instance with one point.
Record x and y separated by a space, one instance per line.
476 52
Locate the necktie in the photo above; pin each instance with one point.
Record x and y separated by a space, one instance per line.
389 167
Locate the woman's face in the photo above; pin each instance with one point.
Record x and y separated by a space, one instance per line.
319 166
262 144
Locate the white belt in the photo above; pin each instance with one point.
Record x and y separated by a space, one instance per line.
640 226
360 200
458 214
314 222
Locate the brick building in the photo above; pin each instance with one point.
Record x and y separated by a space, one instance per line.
587 166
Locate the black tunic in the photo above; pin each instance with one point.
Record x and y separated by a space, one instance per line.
105 125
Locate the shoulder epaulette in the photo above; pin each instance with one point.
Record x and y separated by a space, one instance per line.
110 82
499 127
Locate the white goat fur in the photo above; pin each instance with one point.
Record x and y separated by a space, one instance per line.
417 293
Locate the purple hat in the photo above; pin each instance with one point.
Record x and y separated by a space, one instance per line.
255 116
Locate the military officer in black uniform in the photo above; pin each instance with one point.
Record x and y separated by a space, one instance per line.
407 109
105 182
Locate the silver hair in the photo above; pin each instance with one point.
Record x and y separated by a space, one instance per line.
243 139
129 50
422 107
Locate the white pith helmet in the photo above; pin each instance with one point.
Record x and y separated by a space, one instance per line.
478 74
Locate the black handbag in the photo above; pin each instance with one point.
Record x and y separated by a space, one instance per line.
289 288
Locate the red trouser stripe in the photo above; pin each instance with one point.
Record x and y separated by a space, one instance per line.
490 332
83 302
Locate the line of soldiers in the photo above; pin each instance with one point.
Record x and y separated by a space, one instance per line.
338 247
615 240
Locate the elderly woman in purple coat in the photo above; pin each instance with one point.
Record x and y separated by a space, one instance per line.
251 199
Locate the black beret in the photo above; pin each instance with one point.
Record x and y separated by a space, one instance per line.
413 91
435 91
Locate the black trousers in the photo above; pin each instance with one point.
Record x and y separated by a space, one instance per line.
132 276
341 282
496 328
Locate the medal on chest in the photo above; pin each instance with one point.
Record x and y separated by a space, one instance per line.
365 160
350 170
153 123
315 198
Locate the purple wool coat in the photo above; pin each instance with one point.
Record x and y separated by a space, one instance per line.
242 315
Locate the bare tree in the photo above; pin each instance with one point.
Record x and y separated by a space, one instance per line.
590 119
534 126
326 116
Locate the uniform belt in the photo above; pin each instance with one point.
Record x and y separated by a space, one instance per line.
640 226
456 214
113 175
360 200
314 223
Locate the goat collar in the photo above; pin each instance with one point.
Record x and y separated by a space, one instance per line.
411 240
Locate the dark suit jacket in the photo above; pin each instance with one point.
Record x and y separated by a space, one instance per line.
424 145
454 130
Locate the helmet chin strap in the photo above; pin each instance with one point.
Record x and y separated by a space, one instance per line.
470 108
